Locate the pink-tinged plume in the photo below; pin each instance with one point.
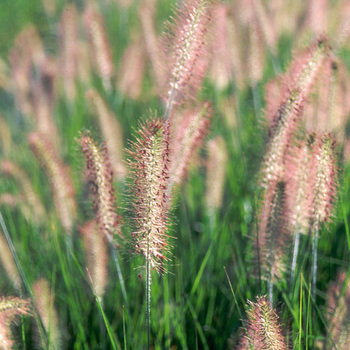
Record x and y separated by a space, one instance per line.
191 129
68 60
339 314
288 111
10 309
186 54
149 170
272 240
323 179
44 300
97 258
216 168
111 131
101 179
100 46
147 15
262 329
132 69
298 191
30 197
8 263
60 179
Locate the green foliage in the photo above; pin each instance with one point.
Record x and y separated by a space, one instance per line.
193 306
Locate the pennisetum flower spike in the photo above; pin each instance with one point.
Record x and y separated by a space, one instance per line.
339 313
216 166
111 131
10 309
148 166
288 112
186 46
272 239
323 181
44 300
60 180
31 198
100 46
101 179
191 130
97 258
100 176
263 330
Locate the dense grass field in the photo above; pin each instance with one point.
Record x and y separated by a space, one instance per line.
100 69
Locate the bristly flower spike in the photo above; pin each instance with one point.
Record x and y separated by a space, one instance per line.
263 330
339 313
191 130
111 131
272 240
216 166
303 74
323 181
100 46
101 179
60 179
97 258
31 198
149 168
149 164
10 308
44 300
186 47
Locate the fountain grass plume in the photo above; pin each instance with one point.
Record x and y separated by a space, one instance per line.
44 300
186 52
149 169
288 112
272 240
60 179
338 303
191 130
97 257
323 181
10 309
263 330
100 177
100 46
111 131
31 198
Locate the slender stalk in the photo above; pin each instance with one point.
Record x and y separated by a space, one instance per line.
314 266
295 254
148 296
148 290
121 279
270 288
301 308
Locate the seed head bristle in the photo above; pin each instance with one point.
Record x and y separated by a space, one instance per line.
323 179
111 131
100 46
44 300
272 240
97 257
263 330
101 180
302 77
149 169
186 49
339 313
59 177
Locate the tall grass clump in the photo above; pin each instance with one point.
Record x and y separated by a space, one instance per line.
174 175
